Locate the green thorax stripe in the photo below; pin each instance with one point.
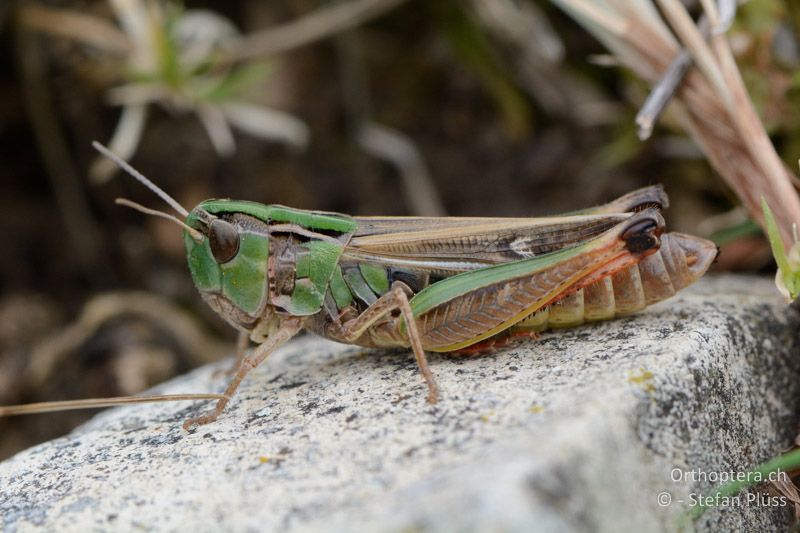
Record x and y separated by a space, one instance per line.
361 281
316 265
339 289
376 277
313 220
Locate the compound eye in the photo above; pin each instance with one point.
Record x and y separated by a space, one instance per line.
223 240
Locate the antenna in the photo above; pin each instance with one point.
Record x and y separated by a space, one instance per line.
139 177
69 405
196 235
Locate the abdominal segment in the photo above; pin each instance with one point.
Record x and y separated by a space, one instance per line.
626 291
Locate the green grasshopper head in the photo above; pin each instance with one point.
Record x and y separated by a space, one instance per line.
227 253
227 258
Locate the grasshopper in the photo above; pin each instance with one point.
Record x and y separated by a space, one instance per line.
459 285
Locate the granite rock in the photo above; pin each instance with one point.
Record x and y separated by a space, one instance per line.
583 430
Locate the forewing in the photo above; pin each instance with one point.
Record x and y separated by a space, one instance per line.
467 308
445 246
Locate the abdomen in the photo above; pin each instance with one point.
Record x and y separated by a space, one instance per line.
679 262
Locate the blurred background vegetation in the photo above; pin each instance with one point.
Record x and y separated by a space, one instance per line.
457 107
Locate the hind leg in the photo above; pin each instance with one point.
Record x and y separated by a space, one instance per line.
393 301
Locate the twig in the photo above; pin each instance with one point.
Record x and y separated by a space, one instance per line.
307 29
664 89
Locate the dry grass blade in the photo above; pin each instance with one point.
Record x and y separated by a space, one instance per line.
714 106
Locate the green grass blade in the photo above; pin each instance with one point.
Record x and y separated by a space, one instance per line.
790 278
784 463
